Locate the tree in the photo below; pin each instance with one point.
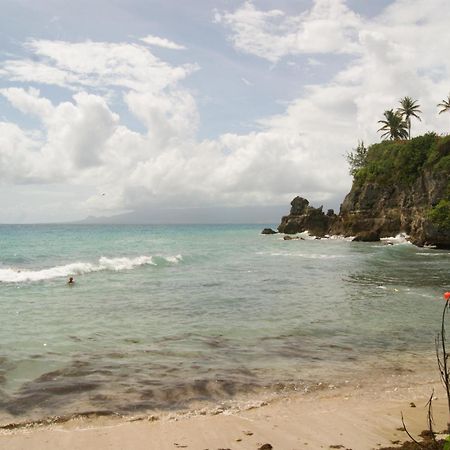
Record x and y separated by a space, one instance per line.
445 105
394 126
409 108
357 158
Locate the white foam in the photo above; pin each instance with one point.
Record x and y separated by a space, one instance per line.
174 259
307 255
16 275
310 237
339 237
401 238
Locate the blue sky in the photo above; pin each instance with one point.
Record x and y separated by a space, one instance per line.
115 106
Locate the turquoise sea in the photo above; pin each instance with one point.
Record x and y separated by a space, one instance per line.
165 317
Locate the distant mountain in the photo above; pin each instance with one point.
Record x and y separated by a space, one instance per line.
212 215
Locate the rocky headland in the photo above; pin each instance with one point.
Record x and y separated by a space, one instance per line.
402 187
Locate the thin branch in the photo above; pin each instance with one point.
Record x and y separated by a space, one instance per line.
430 416
407 432
438 358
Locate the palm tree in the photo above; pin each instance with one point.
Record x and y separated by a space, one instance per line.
394 126
445 105
409 108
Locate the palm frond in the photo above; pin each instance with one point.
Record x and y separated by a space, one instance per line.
394 126
409 108
445 105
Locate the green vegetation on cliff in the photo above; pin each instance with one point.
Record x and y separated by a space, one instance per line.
402 163
440 215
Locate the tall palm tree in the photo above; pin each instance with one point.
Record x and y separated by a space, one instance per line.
409 108
394 126
445 105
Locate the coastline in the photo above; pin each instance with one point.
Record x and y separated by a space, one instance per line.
363 416
339 344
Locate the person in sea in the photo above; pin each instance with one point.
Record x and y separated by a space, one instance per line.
71 281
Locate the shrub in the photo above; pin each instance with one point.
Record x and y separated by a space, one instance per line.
401 162
440 214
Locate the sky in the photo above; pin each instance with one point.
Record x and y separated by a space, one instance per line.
115 106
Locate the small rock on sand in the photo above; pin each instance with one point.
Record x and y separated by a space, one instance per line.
265 447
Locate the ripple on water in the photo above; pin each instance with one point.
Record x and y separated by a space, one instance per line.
238 314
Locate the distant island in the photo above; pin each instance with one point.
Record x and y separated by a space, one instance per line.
399 185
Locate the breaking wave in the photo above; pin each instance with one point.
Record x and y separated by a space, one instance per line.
401 238
17 275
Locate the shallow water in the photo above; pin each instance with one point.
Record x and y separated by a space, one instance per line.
161 316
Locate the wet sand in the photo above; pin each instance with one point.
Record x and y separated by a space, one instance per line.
365 416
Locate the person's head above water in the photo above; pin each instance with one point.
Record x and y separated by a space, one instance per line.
70 280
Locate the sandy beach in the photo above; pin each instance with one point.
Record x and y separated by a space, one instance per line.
360 417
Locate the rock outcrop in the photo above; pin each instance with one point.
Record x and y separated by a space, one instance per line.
306 218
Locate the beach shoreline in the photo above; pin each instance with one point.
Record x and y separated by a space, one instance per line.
320 344
359 417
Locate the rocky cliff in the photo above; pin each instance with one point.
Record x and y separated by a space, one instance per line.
402 187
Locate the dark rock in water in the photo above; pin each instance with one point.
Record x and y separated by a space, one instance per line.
268 231
293 238
303 217
265 447
367 236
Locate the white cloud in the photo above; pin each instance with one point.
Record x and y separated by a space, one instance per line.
75 139
84 141
166 115
17 150
81 134
28 102
81 129
329 26
94 64
313 62
162 42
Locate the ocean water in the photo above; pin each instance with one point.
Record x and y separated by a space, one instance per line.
165 317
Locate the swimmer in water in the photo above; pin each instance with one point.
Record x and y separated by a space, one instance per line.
71 281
